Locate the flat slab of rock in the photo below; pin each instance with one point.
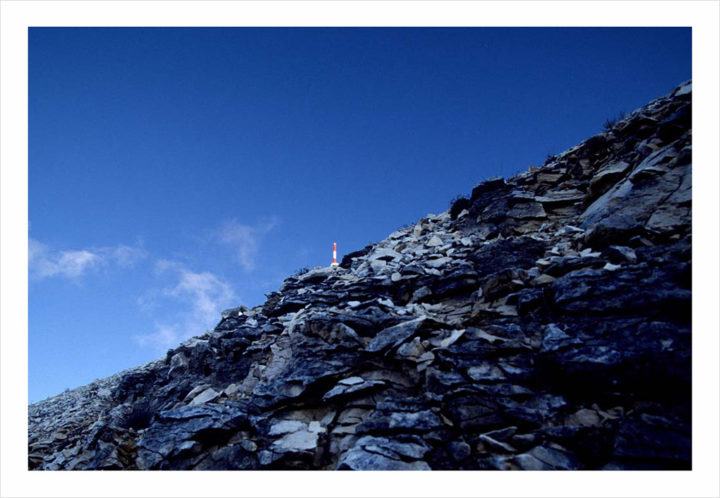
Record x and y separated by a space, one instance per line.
206 396
352 385
395 335
527 210
561 197
376 453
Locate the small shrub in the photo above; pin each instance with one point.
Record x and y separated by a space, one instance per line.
612 121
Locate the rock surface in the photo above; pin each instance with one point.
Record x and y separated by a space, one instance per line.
543 322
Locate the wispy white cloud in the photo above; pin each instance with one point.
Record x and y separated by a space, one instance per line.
45 262
125 256
245 239
164 337
201 296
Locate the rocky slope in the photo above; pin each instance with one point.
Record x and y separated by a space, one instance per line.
543 322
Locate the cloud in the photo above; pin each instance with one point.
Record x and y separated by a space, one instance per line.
126 256
201 296
163 337
245 239
45 262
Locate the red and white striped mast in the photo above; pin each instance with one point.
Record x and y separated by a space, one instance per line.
334 263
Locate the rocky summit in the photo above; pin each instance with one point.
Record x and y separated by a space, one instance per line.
542 322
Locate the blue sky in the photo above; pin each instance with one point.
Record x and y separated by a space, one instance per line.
177 172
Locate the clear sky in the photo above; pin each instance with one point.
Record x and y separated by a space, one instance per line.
174 173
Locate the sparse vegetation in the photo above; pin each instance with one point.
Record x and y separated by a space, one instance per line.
612 121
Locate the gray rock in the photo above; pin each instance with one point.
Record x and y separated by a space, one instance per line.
360 459
302 440
206 396
434 241
195 391
384 253
485 371
622 254
527 210
517 196
644 191
615 229
234 312
438 263
459 450
375 453
607 177
683 89
395 335
561 197
178 363
420 293
555 338
345 388
285 427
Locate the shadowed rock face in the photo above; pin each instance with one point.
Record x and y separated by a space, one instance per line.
541 323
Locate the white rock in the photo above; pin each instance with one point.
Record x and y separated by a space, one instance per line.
286 426
481 334
195 391
378 264
297 441
684 90
384 253
434 241
424 360
351 381
454 336
386 302
572 229
543 279
506 310
411 350
315 427
206 396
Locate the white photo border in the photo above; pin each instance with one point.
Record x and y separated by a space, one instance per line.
17 16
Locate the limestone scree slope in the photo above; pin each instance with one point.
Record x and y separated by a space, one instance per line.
542 322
